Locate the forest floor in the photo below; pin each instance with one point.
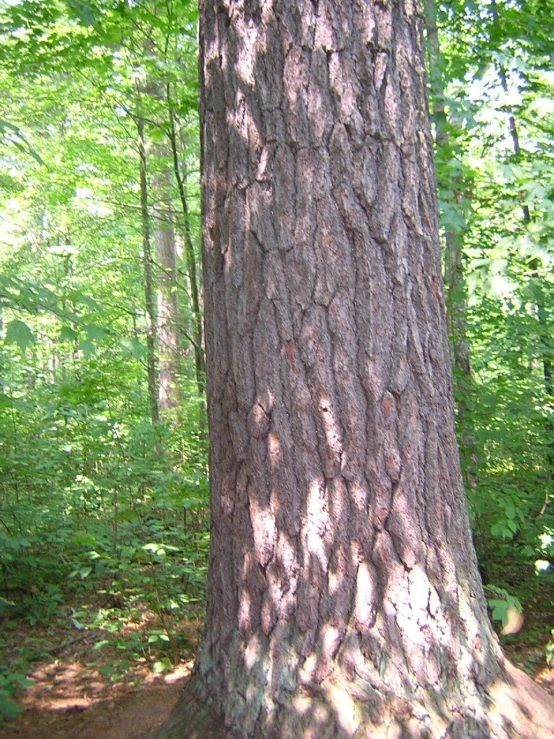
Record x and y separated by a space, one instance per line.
78 691
81 691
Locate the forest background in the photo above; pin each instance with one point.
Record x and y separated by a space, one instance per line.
104 518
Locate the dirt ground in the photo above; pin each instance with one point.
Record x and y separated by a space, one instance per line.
72 700
73 696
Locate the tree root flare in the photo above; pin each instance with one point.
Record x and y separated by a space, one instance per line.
517 709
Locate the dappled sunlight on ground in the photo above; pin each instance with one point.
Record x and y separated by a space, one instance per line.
62 686
81 691
71 700
128 714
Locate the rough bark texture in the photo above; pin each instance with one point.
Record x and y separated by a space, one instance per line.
344 599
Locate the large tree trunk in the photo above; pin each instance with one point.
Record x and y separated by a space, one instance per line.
344 598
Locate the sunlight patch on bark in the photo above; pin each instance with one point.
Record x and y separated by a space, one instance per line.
264 529
331 638
315 518
346 710
274 449
252 651
245 615
364 608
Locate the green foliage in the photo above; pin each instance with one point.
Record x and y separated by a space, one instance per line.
13 135
492 95
501 602
17 332
101 511
9 682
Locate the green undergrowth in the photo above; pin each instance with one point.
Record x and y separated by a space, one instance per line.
103 538
129 606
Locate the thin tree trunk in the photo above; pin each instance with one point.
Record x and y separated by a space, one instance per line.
344 598
151 363
167 302
454 277
199 360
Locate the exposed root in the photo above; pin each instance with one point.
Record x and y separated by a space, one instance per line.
520 709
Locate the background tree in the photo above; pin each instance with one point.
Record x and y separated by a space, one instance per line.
168 308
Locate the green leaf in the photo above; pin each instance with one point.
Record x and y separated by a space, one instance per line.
94 332
127 552
499 610
79 297
87 347
68 334
22 680
101 643
8 708
108 670
83 572
83 11
133 347
19 333
161 665
81 537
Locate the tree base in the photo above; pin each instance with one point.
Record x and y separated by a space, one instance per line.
517 708
193 717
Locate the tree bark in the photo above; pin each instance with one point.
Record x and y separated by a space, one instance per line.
344 598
